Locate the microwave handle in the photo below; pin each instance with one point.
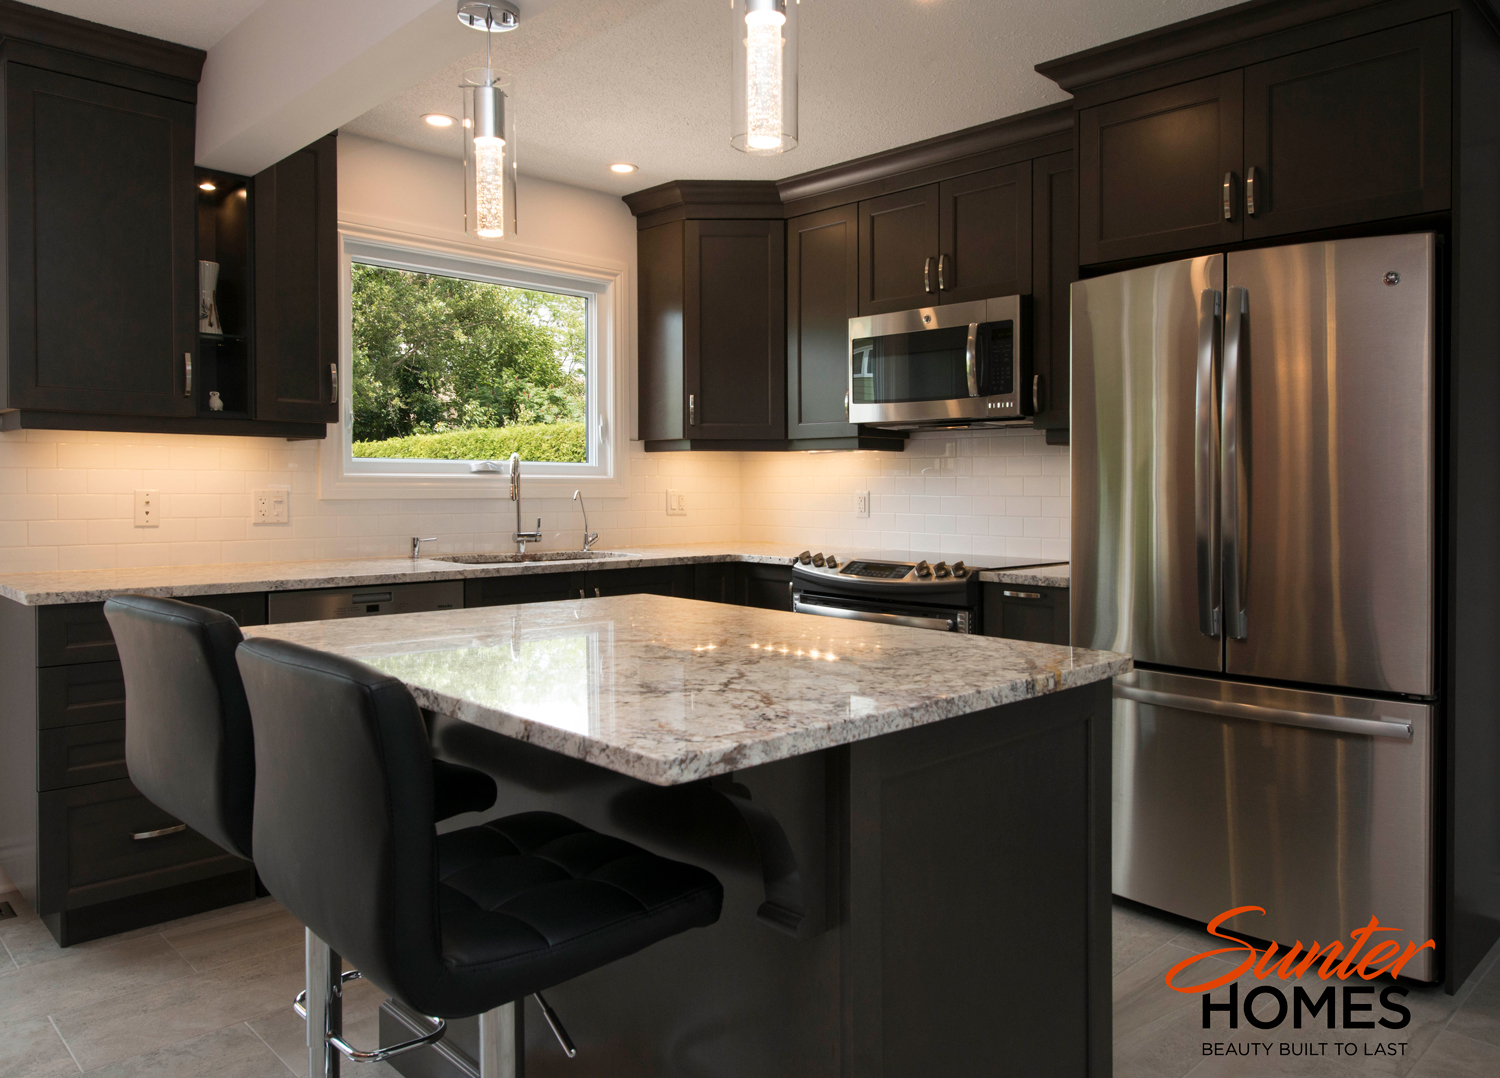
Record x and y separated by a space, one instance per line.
971 359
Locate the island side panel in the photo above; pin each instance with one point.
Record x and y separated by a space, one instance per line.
978 922
18 759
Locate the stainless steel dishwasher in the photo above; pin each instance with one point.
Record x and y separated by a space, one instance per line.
327 604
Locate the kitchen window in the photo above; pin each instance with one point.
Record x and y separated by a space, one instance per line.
450 358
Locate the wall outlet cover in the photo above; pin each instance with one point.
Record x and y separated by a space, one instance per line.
270 506
862 504
148 509
676 504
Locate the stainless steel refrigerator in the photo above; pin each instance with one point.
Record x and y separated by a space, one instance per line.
1253 521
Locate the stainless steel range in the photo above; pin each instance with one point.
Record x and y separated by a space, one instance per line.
896 588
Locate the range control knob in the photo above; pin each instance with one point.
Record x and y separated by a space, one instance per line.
924 570
960 570
819 560
805 557
832 563
941 570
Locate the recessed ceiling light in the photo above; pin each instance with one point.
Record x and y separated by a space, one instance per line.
621 166
207 185
439 119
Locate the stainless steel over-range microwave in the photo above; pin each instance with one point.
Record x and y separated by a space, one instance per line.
962 364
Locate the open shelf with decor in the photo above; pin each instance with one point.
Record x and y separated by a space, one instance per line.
225 386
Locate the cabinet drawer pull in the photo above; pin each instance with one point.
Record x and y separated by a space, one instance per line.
927 275
580 593
1022 594
139 835
596 594
187 374
1250 191
1229 196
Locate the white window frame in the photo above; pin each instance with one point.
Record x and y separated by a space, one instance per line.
342 475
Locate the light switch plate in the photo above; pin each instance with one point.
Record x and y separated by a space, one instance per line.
270 506
147 508
676 504
862 504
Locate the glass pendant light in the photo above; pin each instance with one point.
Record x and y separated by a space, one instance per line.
763 87
489 132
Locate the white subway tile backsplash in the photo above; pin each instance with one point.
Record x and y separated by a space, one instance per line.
66 501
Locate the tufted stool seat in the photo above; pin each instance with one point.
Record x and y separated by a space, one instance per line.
452 926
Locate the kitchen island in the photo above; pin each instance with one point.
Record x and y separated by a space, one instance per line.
912 828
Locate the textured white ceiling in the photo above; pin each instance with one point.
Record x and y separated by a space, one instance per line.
198 23
647 81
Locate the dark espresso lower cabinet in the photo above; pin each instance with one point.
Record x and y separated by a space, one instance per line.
1025 612
88 852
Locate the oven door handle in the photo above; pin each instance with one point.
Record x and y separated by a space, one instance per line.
945 624
971 359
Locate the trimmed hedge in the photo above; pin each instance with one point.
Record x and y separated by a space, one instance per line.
539 442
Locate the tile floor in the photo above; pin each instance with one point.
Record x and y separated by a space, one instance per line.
211 995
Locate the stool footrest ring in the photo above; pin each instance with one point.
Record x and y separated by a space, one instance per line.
377 1054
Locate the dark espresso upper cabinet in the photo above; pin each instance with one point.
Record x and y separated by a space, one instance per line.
296 286
898 250
822 294
1054 246
734 329
985 247
1356 131
1159 172
101 274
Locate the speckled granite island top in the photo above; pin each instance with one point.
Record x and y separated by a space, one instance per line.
1036 576
672 690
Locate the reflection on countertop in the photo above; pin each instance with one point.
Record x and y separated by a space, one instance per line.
671 690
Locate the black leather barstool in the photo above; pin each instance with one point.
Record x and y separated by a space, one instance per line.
189 746
466 923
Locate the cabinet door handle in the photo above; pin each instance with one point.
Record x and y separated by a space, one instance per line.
333 382
943 284
927 275
692 410
846 406
187 374
1229 196
139 835
596 594
1036 394
580 593
1250 191
1022 594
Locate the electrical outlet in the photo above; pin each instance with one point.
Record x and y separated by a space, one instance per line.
862 504
676 504
270 506
146 508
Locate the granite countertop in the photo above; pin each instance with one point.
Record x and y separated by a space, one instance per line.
673 690
1038 576
96 585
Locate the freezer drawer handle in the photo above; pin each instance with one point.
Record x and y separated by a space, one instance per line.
1339 724
142 835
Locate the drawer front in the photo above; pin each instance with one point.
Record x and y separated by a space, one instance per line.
75 695
79 632
76 633
89 852
79 755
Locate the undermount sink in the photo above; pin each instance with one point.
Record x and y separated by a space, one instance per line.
541 555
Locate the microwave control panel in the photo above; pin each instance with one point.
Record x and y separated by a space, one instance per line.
999 365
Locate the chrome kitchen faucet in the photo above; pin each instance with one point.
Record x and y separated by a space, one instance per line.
520 538
589 538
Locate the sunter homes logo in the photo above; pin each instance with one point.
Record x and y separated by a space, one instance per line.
1267 1006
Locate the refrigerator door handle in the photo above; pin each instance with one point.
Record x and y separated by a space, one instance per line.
1236 321
1205 459
1340 724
